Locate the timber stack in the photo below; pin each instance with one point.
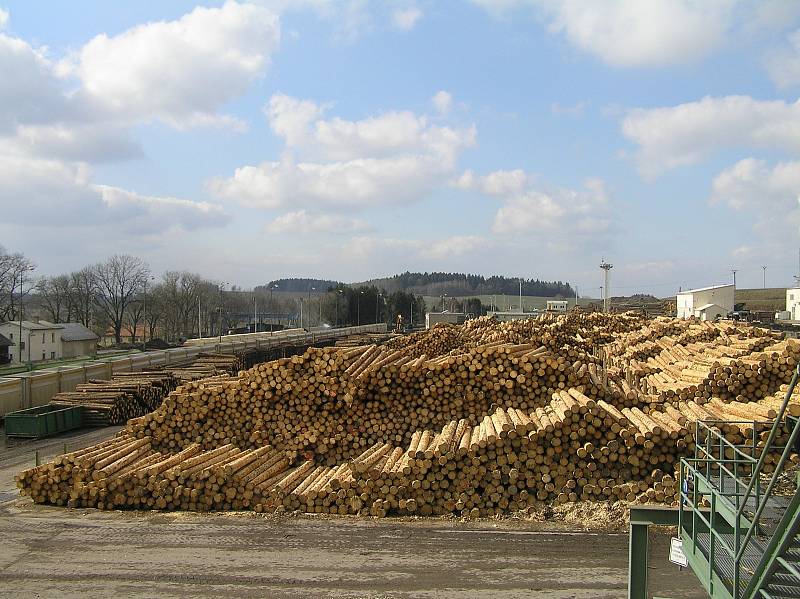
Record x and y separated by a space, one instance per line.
477 420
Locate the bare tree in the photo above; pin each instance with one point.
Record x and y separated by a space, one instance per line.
117 283
156 307
82 295
133 316
56 297
14 269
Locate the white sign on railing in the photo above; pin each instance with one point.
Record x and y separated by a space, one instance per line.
676 554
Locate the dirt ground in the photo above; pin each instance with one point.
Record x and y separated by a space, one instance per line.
57 552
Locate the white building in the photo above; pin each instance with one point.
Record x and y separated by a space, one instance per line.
36 341
706 303
793 303
557 306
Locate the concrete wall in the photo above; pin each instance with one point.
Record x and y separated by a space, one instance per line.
30 389
73 349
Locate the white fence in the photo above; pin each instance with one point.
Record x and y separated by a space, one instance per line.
30 389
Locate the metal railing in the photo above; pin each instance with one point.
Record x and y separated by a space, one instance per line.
738 490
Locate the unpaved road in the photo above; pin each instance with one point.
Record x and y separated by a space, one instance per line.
53 552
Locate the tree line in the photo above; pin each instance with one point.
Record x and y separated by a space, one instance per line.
121 295
460 284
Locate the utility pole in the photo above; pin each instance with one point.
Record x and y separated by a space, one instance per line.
144 336
734 271
576 296
358 299
199 321
377 301
411 324
520 296
606 295
764 268
255 312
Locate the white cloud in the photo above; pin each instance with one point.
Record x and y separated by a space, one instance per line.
497 183
392 133
527 210
181 72
422 251
575 110
406 19
38 192
784 64
770 194
634 33
302 222
442 101
679 135
392 158
3 18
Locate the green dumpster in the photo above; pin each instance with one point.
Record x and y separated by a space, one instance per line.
43 421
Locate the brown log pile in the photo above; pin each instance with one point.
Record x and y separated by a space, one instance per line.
476 420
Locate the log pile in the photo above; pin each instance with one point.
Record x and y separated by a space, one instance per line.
475 420
125 396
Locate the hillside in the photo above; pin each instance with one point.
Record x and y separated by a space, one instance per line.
461 285
293 285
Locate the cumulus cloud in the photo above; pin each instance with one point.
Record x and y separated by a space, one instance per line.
442 101
528 210
180 72
302 222
784 65
415 250
634 33
405 19
770 194
3 18
41 192
674 136
392 158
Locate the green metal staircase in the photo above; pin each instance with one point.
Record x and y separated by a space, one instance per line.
747 545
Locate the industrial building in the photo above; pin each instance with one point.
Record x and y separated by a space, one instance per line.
793 303
432 318
77 340
35 341
557 306
706 303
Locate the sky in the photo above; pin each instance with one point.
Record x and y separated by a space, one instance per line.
250 141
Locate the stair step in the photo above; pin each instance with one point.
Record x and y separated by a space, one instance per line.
785 579
791 568
783 591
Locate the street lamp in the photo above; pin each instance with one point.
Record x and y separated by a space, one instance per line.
337 306
377 300
271 306
144 336
21 293
358 298
221 288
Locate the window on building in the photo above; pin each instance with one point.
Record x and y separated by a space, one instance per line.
12 336
42 339
52 337
22 345
52 355
44 356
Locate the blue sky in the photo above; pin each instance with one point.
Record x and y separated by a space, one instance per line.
253 140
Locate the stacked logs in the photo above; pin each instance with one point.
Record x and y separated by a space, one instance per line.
125 396
472 420
573 448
